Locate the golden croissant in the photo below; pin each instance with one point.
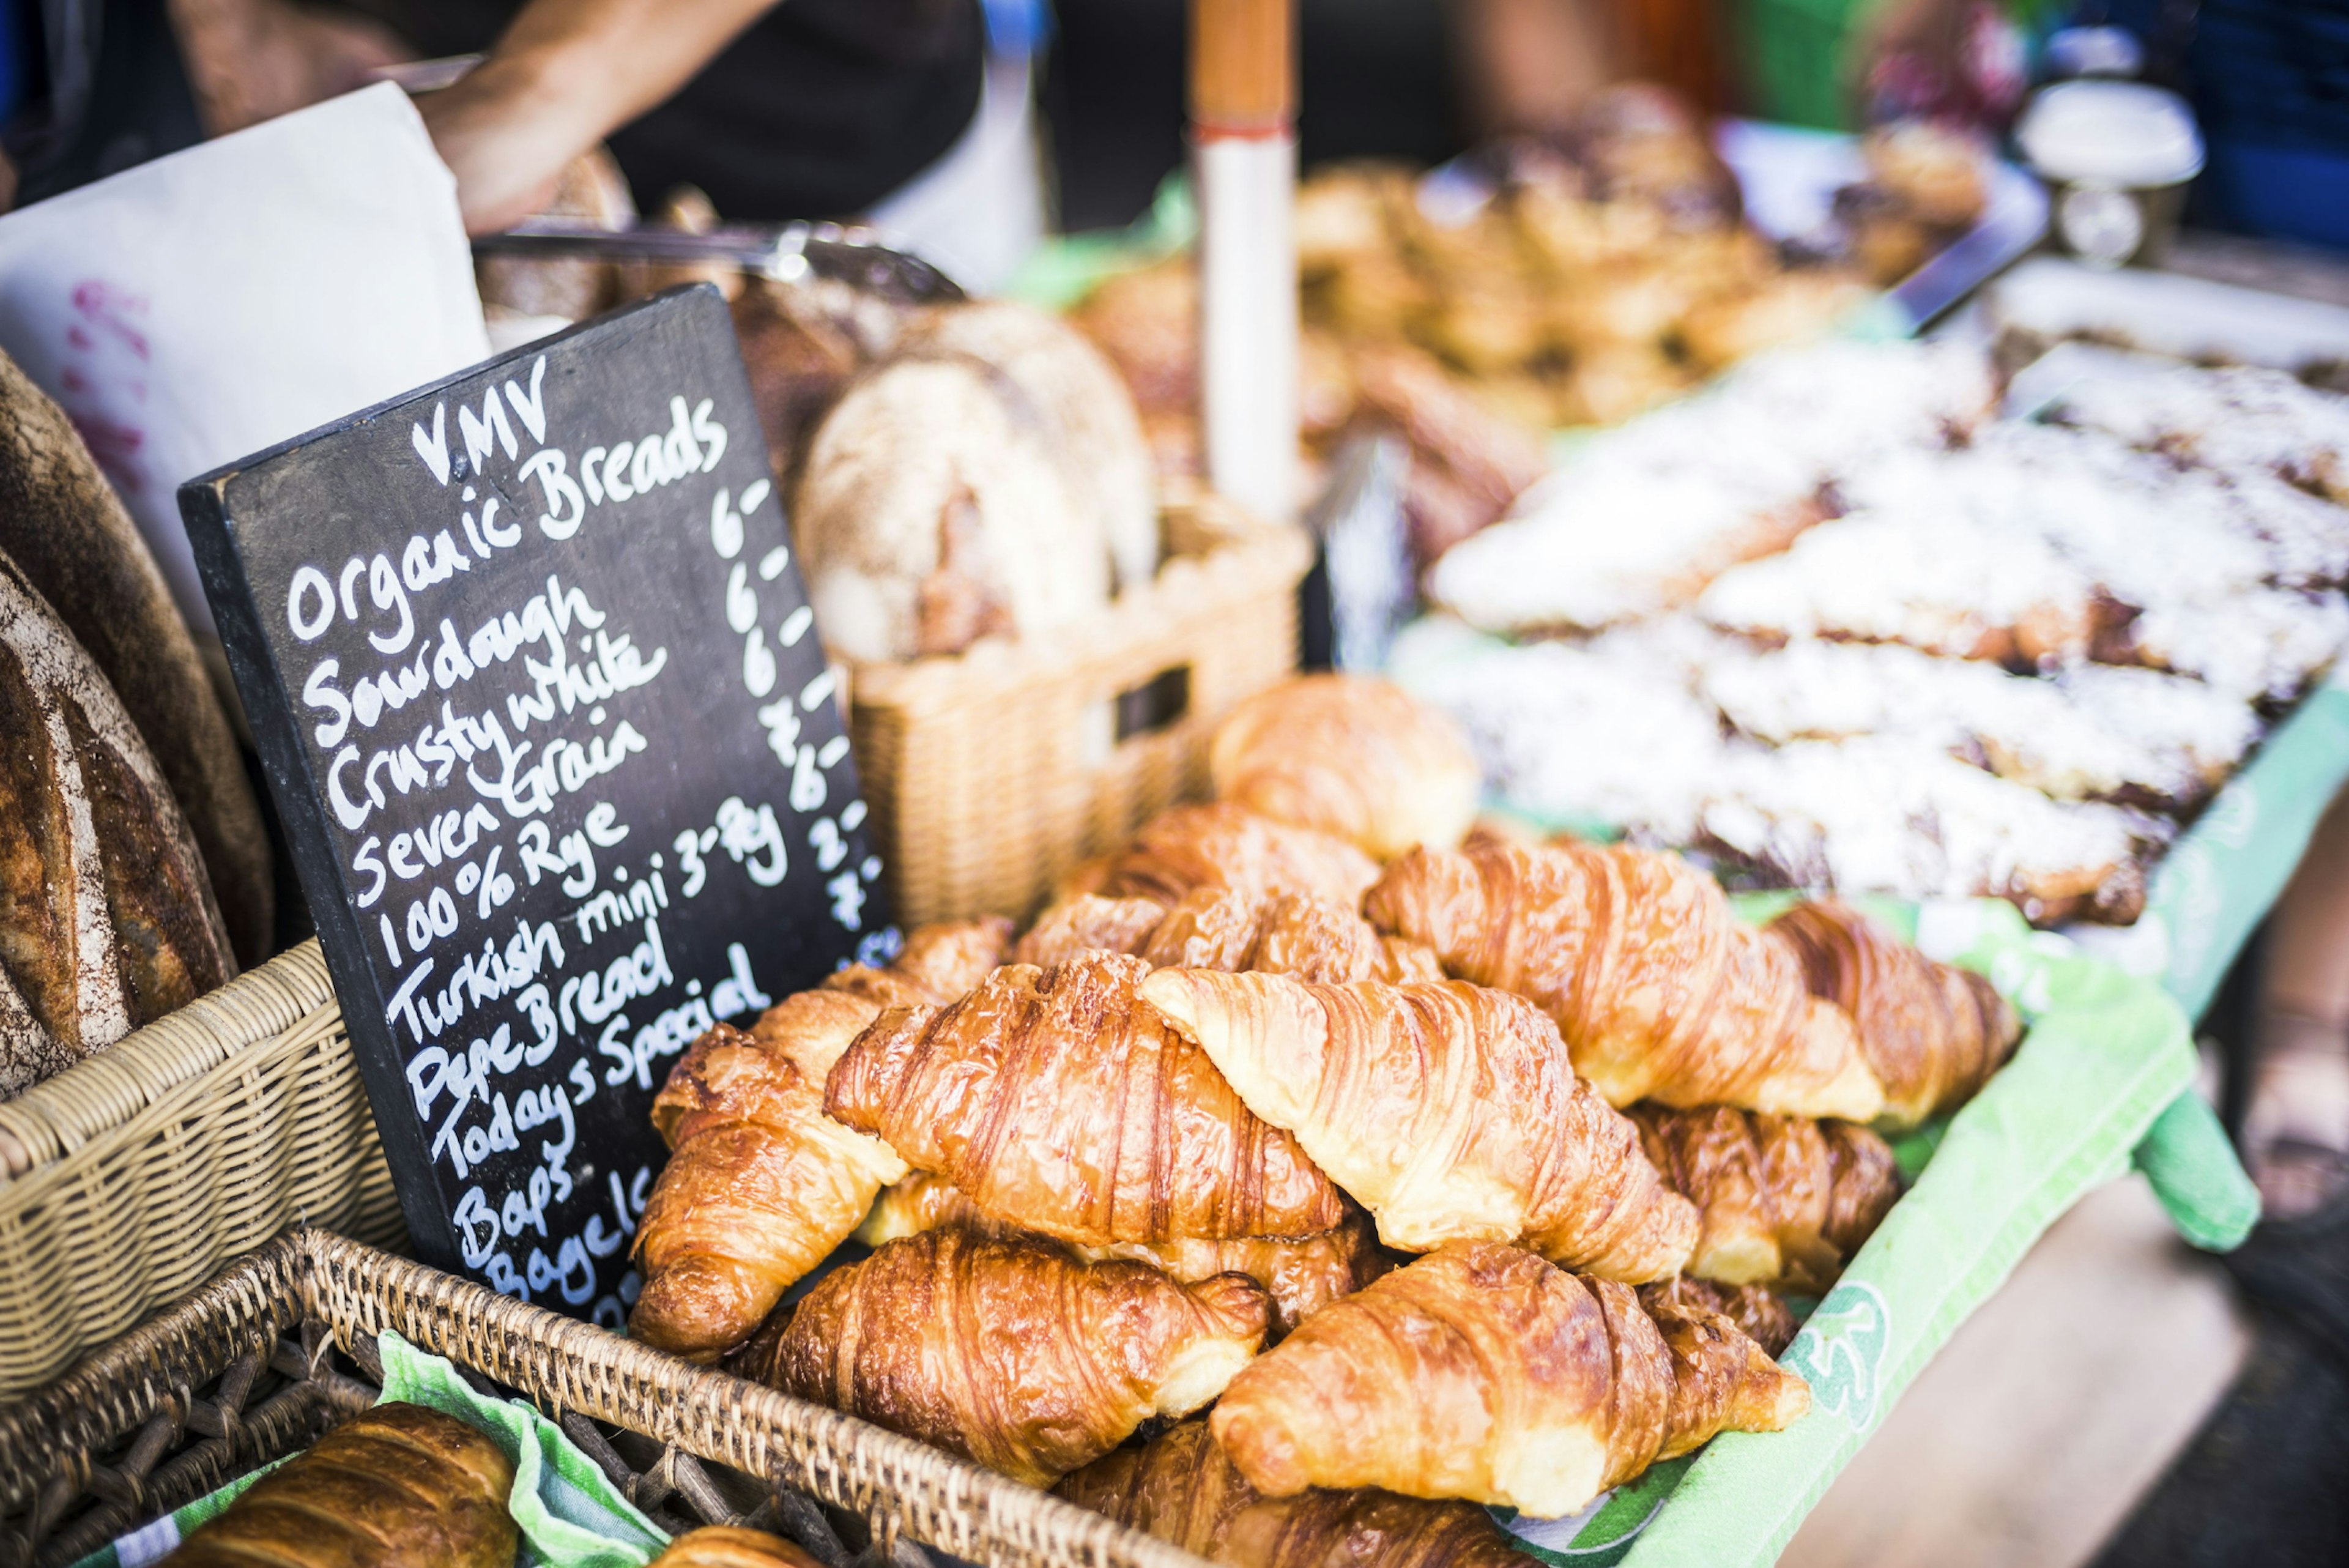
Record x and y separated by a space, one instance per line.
1225 846
1008 1351
1358 758
1302 1274
1662 994
1757 1309
1055 1100
1933 1032
1088 923
1483 1372
1448 1110
762 1185
1180 1488
398 1483
730 1546
760 1188
1214 927
1316 1529
1786 1201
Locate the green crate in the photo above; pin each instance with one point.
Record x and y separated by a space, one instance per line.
1795 55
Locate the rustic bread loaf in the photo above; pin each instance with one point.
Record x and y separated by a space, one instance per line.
988 477
107 918
1090 413
800 353
69 534
932 511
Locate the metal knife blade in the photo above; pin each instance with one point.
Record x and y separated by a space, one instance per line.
784 252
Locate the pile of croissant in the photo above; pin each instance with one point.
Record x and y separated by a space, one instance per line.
1446 1169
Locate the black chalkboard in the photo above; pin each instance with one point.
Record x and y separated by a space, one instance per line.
535 683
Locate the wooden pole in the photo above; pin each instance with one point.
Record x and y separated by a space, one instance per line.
1244 162
1243 65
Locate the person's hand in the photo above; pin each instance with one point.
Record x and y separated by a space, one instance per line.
506 141
566 73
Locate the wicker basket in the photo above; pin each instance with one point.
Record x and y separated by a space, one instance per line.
128 1179
244 1370
991 773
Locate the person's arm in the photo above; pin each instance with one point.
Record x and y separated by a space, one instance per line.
1530 64
566 74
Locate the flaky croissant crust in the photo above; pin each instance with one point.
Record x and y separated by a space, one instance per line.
1786 1201
1010 1351
1448 1110
762 1185
1352 756
729 1546
760 1188
1660 992
1214 928
1056 1099
398 1483
1302 1274
1225 845
1933 1032
1180 1488
1483 1372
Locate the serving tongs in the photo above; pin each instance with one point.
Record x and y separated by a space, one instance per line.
787 253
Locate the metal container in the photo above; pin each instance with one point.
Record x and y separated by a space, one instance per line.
2118 157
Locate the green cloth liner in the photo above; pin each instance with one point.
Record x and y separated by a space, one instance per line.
568 1511
2208 894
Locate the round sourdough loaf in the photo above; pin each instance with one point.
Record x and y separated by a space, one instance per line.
67 531
107 918
988 478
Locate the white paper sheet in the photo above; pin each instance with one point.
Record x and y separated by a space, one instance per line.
198 308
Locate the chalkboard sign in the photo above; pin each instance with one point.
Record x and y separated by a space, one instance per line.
537 687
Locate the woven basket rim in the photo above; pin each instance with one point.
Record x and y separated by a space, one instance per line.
564 1364
49 1123
1185 584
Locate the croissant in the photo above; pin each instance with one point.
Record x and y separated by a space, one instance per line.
1055 1100
729 1546
1214 928
1088 923
397 1484
1448 1110
1483 1372
1660 992
1302 1274
1933 1032
1290 933
1316 1529
938 963
1758 1311
1786 1201
1180 1488
1358 758
1225 846
1010 1352
763 1185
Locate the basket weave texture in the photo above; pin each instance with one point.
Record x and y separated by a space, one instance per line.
990 774
129 1178
126 1437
